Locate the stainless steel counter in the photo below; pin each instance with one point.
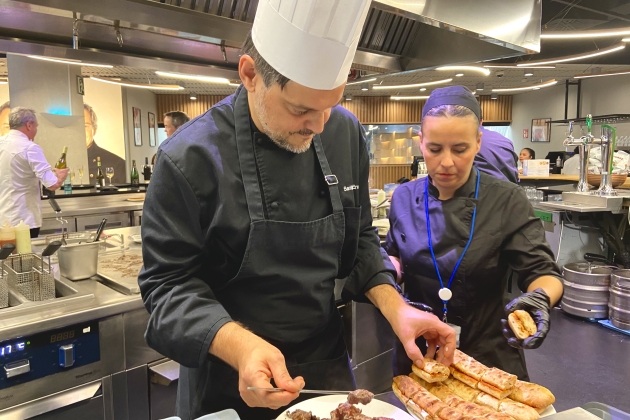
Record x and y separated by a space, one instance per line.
81 206
92 300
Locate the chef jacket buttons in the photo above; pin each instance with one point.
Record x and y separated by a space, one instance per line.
274 206
259 141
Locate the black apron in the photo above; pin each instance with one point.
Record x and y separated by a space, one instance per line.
283 292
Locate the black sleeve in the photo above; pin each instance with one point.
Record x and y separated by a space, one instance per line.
525 247
185 316
372 265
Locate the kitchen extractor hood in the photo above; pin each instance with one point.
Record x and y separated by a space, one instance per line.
398 35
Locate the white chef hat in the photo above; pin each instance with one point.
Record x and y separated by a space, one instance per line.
311 42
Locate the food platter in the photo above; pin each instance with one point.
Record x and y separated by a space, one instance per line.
548 411
322 406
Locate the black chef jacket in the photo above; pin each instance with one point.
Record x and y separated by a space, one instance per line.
507 236
195 221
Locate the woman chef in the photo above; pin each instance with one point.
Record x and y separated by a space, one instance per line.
456 235
255 208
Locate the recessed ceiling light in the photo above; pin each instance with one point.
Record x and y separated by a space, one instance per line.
459 74
532 87
407 98
198 78
423 89
193 96
479 86
68 61
602 33
138 85
494 96
576 57
364 86
528 73
414 85
361 81
348 97
481 70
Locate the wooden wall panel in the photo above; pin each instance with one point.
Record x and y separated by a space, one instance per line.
388 174
167 103
368 109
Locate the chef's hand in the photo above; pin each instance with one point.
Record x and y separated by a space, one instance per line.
411 323
537 304
257 362
257 368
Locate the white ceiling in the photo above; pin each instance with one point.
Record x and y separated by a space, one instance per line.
511 78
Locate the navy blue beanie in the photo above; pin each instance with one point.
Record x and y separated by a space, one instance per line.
453 95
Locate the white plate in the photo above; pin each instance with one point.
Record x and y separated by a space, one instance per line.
322 406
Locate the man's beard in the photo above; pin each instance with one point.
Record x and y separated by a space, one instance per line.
277 137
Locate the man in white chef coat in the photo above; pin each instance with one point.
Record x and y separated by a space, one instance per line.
23 167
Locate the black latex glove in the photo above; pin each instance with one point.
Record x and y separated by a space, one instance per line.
537 304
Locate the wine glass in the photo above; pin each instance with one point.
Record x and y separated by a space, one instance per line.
80 170
71 175
109 172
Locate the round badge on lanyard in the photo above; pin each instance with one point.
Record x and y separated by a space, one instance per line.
445 292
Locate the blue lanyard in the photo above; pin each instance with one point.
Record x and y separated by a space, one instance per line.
472 231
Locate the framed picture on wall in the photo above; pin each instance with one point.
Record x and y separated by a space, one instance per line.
541 130
137 126
152 130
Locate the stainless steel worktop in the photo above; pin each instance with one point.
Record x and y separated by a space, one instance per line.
81 206
92 300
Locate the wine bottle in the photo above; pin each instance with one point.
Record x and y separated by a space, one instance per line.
61 163
100 178
135 176
146 170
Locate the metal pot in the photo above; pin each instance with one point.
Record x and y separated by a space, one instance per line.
619 303
79 261
586 290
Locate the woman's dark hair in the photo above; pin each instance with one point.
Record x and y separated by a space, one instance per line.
531 152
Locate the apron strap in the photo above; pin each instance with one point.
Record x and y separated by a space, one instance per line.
246 157
329 177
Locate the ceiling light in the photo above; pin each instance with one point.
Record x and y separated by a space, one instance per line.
479 86
4 81
207 79
423 89
602 33
494 96
138 85
415 85
361 81
467 68
68 61
528 73
586 76
364 86
459 74
193 96
348 97
575 57
532 87
405 98
234 84
517 67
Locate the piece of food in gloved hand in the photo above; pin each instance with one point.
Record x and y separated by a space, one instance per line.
360 396
301 415
522 324
432 371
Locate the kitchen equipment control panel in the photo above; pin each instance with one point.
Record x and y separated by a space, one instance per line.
27 358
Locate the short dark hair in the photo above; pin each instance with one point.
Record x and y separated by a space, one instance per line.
531 152
178 118
266 71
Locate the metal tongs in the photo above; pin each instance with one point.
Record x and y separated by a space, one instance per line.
60 219
303 391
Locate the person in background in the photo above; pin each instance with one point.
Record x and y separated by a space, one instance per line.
526 154
496 156
620 162
5 109
173 120
457 234
108 159
22 168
